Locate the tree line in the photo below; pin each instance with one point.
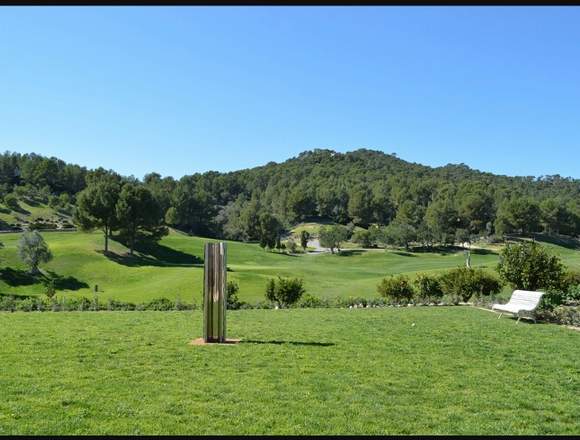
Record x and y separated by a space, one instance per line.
396 201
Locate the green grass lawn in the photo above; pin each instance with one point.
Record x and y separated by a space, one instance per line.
174 268
459 370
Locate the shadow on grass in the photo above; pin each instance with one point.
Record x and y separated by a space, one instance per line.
558 240
447 250
31 202
274 342
403 253
523 320
21 210
350 252
154 254
480 251
4 225
284 254
66 283
19 277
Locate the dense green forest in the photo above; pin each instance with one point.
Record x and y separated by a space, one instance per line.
397 202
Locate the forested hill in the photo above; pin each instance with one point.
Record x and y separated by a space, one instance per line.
363 187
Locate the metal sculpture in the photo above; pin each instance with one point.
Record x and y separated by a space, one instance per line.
214 293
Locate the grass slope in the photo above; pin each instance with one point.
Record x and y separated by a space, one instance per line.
174 268
30 211
334 371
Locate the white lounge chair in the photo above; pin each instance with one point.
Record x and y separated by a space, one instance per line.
522 301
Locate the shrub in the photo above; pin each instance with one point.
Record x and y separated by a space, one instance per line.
26 305
352 301
82 304
113 304
428 288
398 289
49 287
462 283
456 285
263 305
573 295
180 305
245 306
567 315
54 305
529 266
311 301
555 298
7 303
232 290
162 304
571 279
486 284
360 301
285 291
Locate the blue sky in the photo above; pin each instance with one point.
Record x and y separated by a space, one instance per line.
180 90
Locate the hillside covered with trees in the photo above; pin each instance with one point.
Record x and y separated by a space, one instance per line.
397 201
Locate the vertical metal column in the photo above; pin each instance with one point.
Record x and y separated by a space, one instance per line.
214 292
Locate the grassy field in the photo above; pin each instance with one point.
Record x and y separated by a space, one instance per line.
174 268
458 370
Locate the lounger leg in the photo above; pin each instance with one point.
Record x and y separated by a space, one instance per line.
499 315
519 317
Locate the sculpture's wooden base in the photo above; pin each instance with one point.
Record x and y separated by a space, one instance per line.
200 341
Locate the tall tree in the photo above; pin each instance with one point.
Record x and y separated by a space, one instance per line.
138 213
360 206
555 217
475 210
161 189
523 214
383 208
195 207
269 230
301 203
249 219
96 205
398 234
409 213
442 219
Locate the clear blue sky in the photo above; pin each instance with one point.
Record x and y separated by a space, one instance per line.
180 90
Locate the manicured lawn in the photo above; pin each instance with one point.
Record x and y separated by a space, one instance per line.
174 268
459 370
